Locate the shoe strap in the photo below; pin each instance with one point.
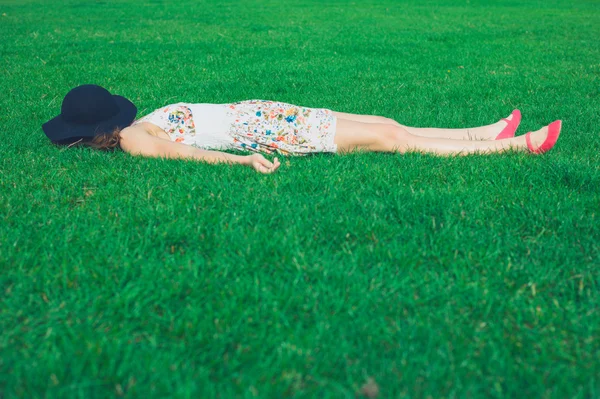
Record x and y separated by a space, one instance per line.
528 141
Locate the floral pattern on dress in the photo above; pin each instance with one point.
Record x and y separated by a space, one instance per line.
176 119
268 126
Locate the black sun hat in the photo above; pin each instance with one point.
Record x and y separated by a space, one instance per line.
87 111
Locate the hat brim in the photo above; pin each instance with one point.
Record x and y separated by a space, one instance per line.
58 130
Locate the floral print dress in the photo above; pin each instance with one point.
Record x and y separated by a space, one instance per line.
268 126
253 125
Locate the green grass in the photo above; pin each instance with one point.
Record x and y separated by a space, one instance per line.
437 277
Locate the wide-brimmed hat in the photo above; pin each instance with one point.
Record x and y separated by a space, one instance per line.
87 111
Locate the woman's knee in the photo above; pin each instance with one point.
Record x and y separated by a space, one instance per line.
396 133
394 136
389 121
384 120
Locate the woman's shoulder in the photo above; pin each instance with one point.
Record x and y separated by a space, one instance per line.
141 129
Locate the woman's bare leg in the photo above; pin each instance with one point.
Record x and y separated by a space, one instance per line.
488 132
352 135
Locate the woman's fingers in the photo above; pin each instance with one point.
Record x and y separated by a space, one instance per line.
259 167
263 165
265 162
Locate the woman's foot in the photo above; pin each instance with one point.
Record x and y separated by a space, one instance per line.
505 128
508 125
544 139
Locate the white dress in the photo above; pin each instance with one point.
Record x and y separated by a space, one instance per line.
254 125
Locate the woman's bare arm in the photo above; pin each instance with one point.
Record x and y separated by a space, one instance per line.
137 141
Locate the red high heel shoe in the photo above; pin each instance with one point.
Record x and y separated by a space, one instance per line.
553 133
511 128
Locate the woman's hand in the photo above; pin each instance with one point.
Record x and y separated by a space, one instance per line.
262 164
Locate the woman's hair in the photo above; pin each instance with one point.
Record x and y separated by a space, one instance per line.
103 141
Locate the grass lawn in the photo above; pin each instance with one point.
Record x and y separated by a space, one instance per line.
430 277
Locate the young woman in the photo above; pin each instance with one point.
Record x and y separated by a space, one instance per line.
91 116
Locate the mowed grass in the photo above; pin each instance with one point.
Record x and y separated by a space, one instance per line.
471 276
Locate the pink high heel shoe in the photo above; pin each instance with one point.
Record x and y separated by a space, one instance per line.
553 133
511 128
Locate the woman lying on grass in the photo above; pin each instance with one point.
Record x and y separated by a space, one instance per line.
92 116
